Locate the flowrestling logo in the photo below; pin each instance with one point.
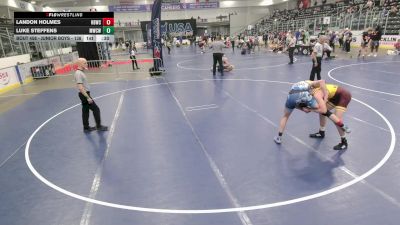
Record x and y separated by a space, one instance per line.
4 78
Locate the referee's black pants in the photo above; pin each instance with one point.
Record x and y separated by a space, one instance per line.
134 62
85 111
291 52
316 69
218 57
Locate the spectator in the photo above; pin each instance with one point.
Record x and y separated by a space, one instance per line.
133 58
370 4
375 38
393 11
397 47
169 46
348 36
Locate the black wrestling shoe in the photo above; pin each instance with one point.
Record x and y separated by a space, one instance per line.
102 128
88 129
319 134
341 146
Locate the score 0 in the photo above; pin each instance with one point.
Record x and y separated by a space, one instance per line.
108 25
108 21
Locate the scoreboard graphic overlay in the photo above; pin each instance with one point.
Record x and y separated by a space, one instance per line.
64 26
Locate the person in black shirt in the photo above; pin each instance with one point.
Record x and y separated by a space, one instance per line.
375 38
233 44
365 41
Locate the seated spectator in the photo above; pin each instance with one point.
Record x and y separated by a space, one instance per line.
370 4
393 10
397 47
227 66
225 63
278 47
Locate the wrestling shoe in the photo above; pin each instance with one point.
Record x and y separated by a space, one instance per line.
341 146
278 139
88 129
102 128
319 134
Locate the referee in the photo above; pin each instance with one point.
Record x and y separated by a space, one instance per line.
86 99
217 47
291 47
316 56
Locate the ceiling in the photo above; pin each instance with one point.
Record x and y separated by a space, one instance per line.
72 3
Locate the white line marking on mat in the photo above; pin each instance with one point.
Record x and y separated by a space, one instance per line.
17 95
201 107
217 210
87 213
366 89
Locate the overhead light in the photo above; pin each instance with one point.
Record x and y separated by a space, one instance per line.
266 2
33 2
97 0
227 3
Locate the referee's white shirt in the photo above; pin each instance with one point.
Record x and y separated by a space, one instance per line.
217 46
292 42
318 49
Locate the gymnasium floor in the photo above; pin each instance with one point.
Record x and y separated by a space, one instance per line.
188 148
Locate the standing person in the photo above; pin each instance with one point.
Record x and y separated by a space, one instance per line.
365 41
302 98
341 37
376 37
306 37
318 52
327 49
202 45
169 47
348 39
338 99
133 58
332 39
86 99
233 43
256 44
291 46
265 39
217 47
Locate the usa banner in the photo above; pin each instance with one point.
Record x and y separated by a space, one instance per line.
156 34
